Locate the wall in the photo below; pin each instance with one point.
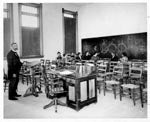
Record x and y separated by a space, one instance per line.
53 28
106 19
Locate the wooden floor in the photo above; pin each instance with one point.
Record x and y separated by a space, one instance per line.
106 107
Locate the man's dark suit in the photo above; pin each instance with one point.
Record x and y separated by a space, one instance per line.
14 66
115 58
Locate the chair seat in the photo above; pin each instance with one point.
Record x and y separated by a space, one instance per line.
37 76
118 77
134 76
109 73
125 75
100 79
145 90
112 82
101 74
130 86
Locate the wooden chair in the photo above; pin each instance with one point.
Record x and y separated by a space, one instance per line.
143 85
47 65
101 75
53 89
143 95
111 66
25 73
120 73
114 83
42 61
6 81
38 74
132 89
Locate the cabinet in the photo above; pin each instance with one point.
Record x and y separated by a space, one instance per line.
82 91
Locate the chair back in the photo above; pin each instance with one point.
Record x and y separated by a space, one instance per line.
47 64
137 64
135 75
111 65
126 68
42 61
134 71
145 66
100 62
118 70
24 68
102 68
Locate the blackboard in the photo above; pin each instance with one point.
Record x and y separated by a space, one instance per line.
135 45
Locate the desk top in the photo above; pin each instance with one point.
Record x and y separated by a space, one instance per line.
68 73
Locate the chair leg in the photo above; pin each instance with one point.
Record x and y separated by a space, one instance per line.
55 99
114 90
99 87
104 88
121 93
22 79
60 103
4 86
133 96
27 80
130 93
141 96
49 105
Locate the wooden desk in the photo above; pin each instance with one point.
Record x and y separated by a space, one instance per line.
82 90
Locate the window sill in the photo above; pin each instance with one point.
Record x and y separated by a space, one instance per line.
33 56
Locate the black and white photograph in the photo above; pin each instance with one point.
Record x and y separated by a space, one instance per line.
75 60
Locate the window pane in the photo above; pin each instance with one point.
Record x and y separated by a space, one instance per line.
68 15
5 6
29 21
29 9
5 14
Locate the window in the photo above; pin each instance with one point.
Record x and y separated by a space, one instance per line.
70 30
7 28
31 34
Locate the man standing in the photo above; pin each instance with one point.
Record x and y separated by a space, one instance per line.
14 66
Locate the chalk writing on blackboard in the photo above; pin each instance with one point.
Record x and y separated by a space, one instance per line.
135 45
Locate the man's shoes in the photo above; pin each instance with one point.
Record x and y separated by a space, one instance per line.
17 95
13 98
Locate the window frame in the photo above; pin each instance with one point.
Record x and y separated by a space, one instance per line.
9 11
39 6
